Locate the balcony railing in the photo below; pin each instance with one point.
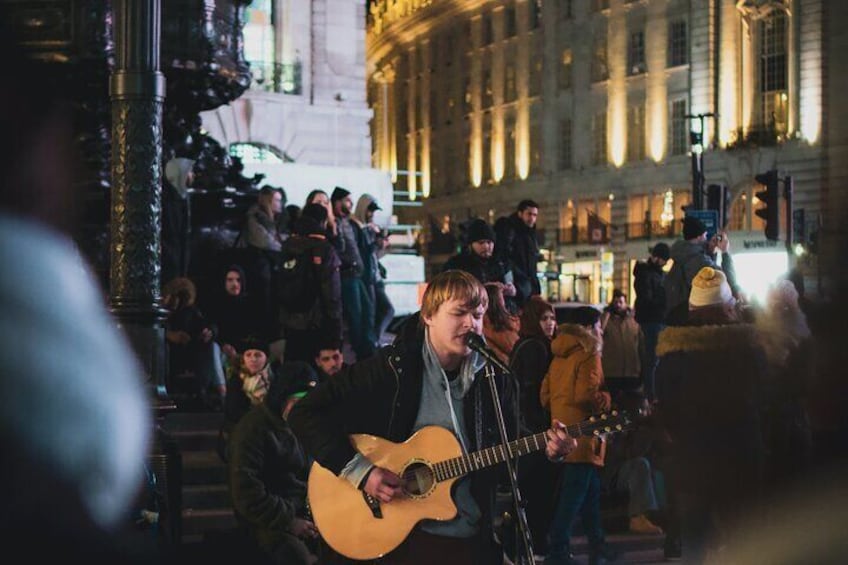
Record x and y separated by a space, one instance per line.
284 78
649 230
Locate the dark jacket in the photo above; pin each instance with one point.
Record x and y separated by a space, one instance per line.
650 293
235 317
709 386
326 313
268 470
484 270
529 362
689 257
381 396
347 245
516 244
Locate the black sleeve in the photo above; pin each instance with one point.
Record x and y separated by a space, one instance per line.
353 401
252 498
529 364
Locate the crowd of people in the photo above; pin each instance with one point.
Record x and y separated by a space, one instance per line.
673 471
720 386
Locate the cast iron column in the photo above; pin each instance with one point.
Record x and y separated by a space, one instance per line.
137 91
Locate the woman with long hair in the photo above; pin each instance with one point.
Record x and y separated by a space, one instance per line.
529 362
500 328
318 196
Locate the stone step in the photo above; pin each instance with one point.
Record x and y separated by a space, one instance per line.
203 468
180 421
206 496
197 522
196 440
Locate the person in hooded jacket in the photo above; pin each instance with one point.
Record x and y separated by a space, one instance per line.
573 390
323 319
709 389
176 217
689 255
233 313
372 246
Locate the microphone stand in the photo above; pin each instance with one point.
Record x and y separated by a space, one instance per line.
516 493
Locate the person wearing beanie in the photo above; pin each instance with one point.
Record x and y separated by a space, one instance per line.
689 255
573 390
649 307
357 304
310 308
268 471
709 384
477 257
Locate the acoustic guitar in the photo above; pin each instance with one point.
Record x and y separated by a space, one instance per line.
358 526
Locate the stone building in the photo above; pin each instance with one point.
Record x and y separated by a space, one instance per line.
307 102
587 107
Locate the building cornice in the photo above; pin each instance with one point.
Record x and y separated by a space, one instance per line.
412 20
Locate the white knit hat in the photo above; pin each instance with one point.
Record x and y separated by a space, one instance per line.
709 287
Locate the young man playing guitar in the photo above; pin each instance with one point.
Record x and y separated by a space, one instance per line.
428 377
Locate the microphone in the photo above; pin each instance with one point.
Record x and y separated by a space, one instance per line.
475 342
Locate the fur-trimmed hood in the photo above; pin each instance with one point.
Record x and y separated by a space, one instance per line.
721 339
571 336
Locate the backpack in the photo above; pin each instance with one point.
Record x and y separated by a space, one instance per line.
297 284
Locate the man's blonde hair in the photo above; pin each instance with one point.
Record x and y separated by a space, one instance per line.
449 285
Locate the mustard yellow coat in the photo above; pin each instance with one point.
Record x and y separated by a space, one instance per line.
571 389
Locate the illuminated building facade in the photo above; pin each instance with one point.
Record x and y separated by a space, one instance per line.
585 105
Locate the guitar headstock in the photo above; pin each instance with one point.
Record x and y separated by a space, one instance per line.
606 423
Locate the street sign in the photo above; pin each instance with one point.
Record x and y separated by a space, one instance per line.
708 217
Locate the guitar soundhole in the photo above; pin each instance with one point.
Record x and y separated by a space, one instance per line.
419 479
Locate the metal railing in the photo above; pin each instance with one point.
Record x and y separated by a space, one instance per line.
648 230
285 78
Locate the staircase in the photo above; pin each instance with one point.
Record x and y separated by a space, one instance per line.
206 511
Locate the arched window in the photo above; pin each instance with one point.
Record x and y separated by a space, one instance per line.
258 153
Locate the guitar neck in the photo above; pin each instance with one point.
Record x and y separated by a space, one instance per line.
459 466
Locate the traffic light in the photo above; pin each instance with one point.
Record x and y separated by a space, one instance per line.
718 199
769 197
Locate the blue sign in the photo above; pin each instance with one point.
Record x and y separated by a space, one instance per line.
708 217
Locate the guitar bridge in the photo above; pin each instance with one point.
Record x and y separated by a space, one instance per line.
373 505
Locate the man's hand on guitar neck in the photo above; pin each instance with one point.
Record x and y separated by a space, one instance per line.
382 484
559 442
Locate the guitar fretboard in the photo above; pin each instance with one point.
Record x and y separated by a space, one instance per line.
459 466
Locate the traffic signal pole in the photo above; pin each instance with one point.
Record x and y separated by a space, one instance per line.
787 195
696 139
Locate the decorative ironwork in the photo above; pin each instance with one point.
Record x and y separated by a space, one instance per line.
136 203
